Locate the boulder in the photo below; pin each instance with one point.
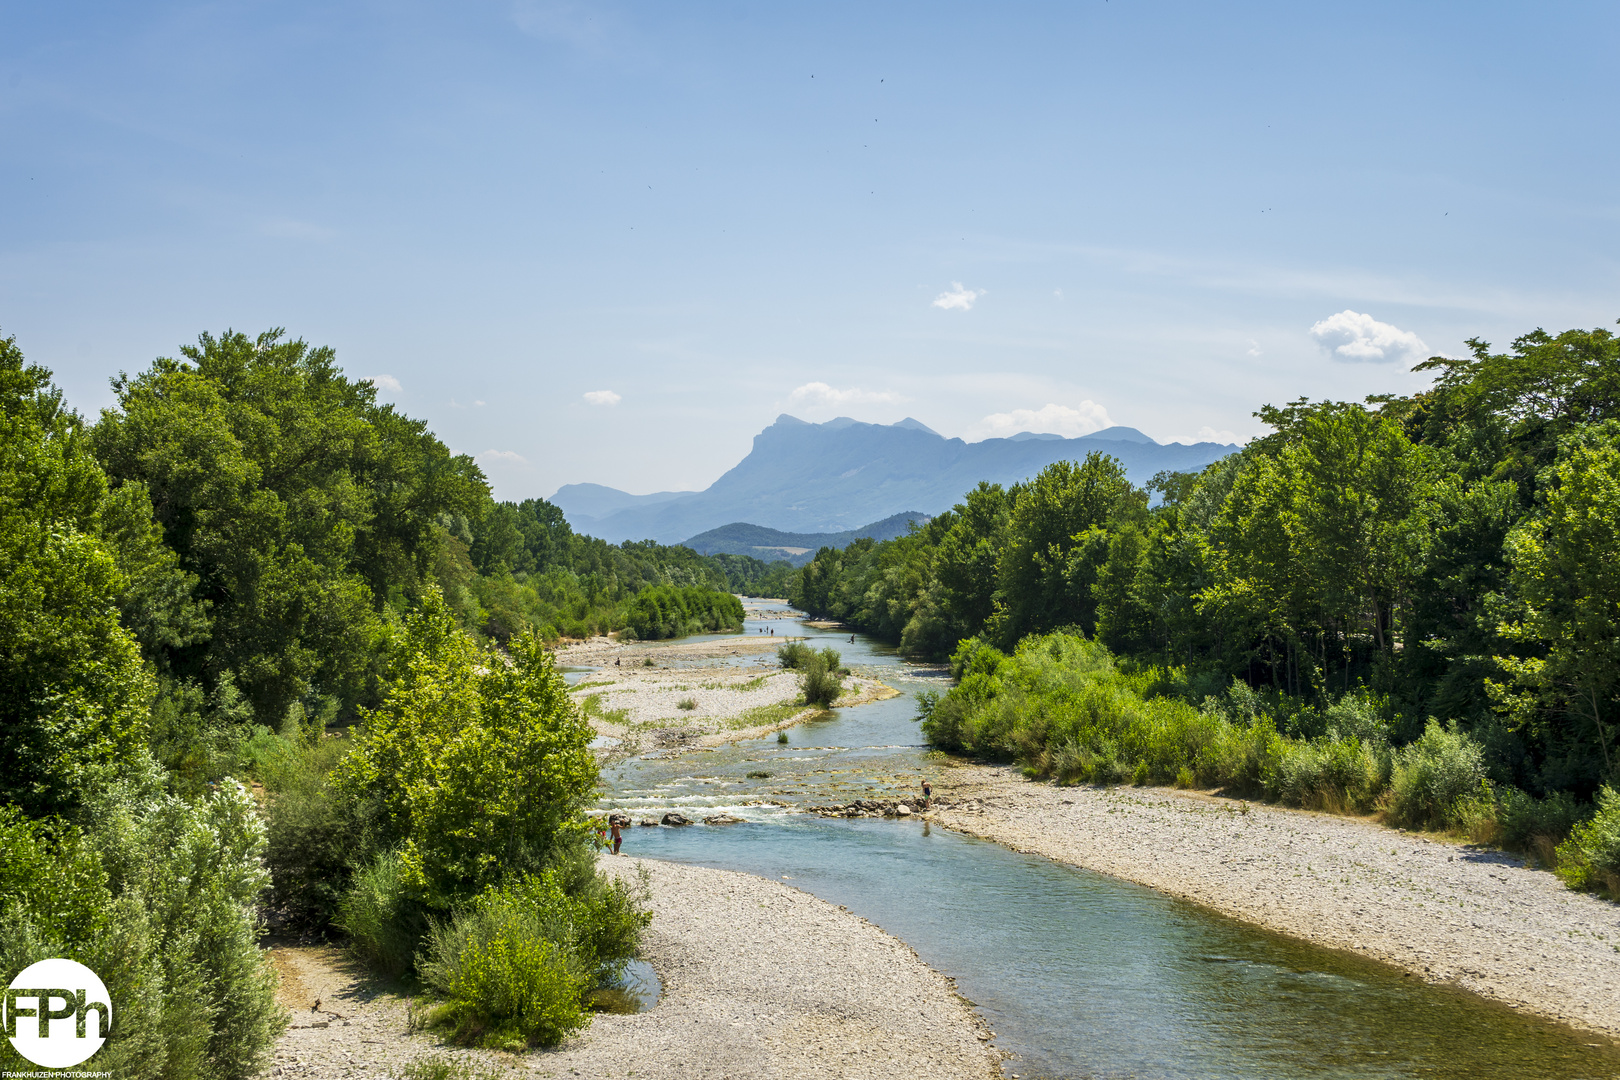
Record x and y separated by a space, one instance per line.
649 821
672 818
722 819
903 810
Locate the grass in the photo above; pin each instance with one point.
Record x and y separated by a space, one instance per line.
686 703
591 706
445 1067
766 715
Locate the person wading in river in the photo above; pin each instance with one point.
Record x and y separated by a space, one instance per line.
618 837
928 794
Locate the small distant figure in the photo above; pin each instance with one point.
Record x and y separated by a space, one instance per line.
928 794
618 837
617 660
316 1007
852 639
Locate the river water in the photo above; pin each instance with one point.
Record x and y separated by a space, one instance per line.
1079 974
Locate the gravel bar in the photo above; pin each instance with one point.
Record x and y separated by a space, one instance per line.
1476 918
759 980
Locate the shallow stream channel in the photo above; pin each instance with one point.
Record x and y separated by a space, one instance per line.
1079 974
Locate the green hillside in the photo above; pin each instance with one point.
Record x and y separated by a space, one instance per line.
741 538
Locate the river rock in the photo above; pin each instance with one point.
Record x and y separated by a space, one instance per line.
722 819
903 810
672 818
649 821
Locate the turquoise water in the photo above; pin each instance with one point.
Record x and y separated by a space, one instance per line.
1079 974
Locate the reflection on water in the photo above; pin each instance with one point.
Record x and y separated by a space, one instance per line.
1080 975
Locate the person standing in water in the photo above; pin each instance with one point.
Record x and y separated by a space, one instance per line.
928 794
618 836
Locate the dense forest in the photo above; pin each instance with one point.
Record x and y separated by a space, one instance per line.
1430 575
268 645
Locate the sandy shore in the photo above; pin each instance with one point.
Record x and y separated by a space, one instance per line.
1479 919
760 980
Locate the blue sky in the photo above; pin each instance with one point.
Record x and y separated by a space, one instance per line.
610 242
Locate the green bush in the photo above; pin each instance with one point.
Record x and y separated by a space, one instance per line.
516 965
820 678
794 655
1538 826
1431 774
1590 858
385 925
1327 773
158 897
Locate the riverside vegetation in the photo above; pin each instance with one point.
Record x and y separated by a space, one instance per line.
268 648
1406 605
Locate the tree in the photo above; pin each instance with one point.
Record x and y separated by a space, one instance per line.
1057 540
475 765
73 692
1565 604
297 505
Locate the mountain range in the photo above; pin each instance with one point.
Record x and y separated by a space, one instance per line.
832 477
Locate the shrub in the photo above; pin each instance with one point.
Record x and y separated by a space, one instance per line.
1326 773
1431 774
820 680
1590 858
517 964
445 1067
794 654
507 984
384 924
1538 826
160 902
687 704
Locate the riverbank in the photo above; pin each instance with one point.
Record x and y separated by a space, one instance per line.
1475 918
759 979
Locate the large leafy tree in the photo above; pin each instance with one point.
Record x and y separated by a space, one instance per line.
73 691
1565 607
1057 541
299 505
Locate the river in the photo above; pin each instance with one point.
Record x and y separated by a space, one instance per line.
1079 974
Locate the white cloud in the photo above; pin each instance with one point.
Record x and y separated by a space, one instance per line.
385 382
1361 339
1214 435
602 397
1047 420
958 299
819 394
503 457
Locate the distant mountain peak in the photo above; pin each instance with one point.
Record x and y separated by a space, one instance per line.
804 478
1119 433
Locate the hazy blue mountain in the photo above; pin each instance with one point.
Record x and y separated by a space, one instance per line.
831 477
585 504
741 538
